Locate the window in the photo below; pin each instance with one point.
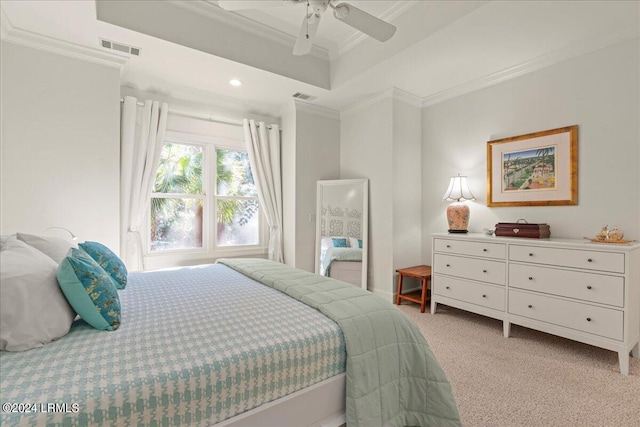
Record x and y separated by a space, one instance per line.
177 202
236 200
204 199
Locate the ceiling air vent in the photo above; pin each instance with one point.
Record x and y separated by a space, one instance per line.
304 96
120 47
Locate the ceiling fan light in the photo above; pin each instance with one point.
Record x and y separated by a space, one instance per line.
341 11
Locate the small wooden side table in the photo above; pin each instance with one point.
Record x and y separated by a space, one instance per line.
422 272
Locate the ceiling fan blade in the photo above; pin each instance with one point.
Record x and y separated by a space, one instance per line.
363 21
254 4
307 34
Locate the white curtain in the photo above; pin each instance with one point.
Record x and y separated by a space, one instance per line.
263 146
141 139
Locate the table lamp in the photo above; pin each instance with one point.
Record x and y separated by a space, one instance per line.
458 213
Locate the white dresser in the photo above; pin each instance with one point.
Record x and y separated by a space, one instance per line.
588 292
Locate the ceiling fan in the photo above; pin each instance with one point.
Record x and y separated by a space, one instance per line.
350 15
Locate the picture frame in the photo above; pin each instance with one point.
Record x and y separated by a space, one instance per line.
536 169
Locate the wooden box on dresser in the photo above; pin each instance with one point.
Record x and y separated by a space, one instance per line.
588 292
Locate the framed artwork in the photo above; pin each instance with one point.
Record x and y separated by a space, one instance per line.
537 169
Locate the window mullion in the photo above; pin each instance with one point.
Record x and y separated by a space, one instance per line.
237 197
176 196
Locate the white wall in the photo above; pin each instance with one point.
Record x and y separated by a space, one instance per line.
599 92
407 189
310 152
60 145
317 158
366 152
381 142
289 185
342 196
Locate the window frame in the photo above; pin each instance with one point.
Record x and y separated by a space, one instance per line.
210 249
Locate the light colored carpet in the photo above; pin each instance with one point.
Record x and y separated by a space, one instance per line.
530 379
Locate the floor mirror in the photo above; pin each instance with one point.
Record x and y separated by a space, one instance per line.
341 230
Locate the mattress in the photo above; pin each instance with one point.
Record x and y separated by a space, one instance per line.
196 346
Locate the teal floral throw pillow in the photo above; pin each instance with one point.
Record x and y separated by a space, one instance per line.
108 261
90 290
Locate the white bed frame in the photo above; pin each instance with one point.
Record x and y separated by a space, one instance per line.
347 271
320 405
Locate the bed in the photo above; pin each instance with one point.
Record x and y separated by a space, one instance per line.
342 264
240 342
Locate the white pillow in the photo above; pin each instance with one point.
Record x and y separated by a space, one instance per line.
353 242
54 247
33 309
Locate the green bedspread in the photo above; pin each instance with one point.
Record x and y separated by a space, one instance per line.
393 378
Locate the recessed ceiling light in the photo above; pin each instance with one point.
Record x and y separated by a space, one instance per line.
235 82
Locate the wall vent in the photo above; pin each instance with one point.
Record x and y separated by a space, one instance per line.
120 47
304 96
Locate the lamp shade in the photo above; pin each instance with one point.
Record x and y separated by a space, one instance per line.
458 190
458 213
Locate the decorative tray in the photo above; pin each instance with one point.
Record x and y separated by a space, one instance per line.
610 242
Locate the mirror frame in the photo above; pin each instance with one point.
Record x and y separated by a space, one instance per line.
364 186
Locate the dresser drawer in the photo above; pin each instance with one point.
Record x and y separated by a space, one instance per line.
605 322
578 258
481 249
474 293
573 284
483 270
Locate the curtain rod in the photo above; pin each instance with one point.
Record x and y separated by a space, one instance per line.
199 116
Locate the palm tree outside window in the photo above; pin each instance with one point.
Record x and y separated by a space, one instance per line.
184 217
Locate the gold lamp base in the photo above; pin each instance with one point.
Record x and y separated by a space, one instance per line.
458 218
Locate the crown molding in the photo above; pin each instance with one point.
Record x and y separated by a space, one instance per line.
216 13
316 109
22 37
407 97
391 93
397 9
543 61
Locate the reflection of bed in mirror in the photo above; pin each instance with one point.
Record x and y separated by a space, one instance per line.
341 263
341 232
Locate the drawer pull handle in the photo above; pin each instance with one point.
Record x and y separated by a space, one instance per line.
588 319
530 306
530 254
448 246
589 260
446 287
484 296
448 265
484 271
530 278
589 287
484 250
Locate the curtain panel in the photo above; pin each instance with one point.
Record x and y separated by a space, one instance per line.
263 146
142 135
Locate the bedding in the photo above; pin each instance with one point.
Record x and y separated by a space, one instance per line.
196 346
33 310
53 247
109 261
338 254
393 378
90 290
